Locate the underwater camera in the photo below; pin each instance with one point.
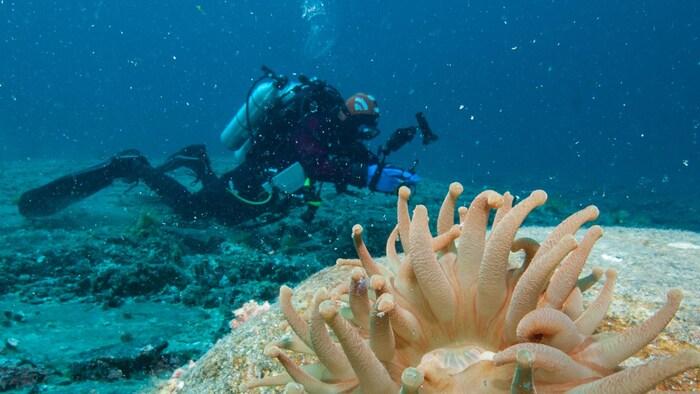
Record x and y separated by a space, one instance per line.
404 135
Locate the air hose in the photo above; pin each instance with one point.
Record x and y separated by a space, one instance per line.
244 200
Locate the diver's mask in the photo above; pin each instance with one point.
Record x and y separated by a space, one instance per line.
366 126
366 132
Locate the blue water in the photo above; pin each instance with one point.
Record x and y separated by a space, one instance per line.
594 101
589 93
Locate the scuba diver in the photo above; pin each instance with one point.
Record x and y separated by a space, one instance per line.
292 135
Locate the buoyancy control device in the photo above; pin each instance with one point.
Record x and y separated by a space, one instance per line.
276 96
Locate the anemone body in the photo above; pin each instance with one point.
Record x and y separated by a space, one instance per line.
452 314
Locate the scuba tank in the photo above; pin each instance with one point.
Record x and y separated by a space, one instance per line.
262 96
273 99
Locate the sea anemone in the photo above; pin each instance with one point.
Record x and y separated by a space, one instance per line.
453 314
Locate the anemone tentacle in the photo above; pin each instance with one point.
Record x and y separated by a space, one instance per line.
431 276
565 278
533 282
403 218
447 210
327 351
491 290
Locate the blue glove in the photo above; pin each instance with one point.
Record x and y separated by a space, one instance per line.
390 178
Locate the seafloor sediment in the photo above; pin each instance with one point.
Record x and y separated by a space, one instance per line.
117 290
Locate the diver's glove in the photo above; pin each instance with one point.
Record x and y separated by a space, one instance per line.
388 179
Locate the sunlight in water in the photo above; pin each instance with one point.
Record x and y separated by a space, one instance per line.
320 35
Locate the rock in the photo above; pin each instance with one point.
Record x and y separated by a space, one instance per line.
17 374
13 316
196 241
138 279
119 361
12 344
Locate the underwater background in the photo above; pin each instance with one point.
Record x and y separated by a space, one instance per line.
595 102
593 93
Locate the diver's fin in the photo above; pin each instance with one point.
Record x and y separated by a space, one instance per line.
193 157
66 190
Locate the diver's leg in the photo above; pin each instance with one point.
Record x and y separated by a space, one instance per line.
193 157
172 192
246 179
60 193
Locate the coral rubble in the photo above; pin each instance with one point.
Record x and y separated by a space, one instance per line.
453 314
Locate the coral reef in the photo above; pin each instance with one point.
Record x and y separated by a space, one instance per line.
453 314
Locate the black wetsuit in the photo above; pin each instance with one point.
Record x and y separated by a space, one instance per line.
211 200
328 149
